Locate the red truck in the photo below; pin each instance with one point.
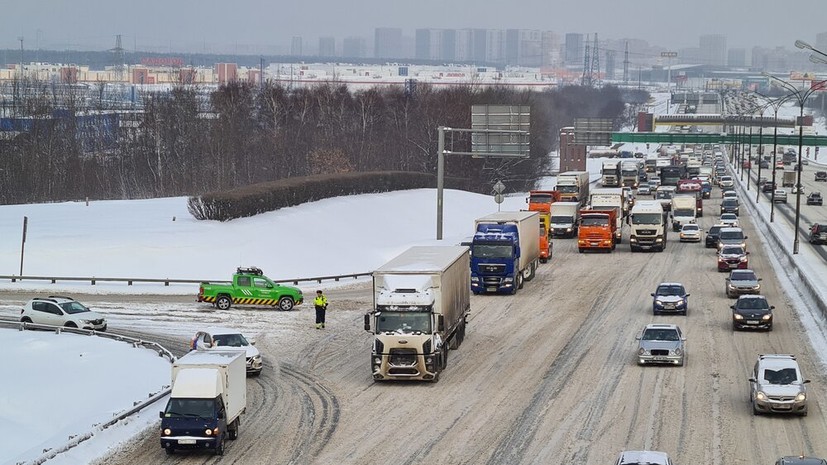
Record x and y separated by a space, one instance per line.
597 230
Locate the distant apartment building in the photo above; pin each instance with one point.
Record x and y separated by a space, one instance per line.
713 49
327 47
495 46
296 46
227 72
435 44
574 49
387 43
550 49
572 156
354 47
690 55
523 47
737 58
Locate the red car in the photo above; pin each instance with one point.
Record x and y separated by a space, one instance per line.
732 257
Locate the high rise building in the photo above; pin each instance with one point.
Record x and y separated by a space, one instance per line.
574 49
435 44
354 47
737 58
495 46
550 47
327 47
388 43
296 46
713 49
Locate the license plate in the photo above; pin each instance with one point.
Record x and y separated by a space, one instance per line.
782 406
186 441
491 289
669 306
595 243
752 322
660 359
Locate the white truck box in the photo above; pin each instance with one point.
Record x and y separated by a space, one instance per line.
229 368
564 216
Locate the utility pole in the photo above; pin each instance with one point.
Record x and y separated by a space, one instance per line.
626 64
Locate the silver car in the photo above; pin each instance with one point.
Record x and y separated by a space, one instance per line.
661 343
777 386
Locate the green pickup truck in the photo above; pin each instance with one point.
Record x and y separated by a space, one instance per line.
250 287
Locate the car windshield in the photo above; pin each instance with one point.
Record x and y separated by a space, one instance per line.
753 304
734 235
742 276
670 290
714 230
690 227
729 216
195 408
732 251
403 322
561 219
820 228
230 340
595 221
73 308
780 376
729 202
660 335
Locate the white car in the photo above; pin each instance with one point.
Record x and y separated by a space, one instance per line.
729 219
690 232
649 457
218 338
729 195
644 190
61 311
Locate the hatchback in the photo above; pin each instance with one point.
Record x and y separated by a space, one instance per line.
650 457
752 312
671 298
661 343
732 257
777 385
61 311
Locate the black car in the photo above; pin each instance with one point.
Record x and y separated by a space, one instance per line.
730 206
814 198
821 176
712 235
752 312
768 186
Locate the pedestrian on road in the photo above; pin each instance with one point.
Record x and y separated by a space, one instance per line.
320 302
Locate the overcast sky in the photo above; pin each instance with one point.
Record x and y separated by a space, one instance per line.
257 26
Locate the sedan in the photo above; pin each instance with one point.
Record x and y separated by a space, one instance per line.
660 343
644 190
768 187
752 312
741 282
670 297
732 257
729 219
780 195
690 232
814 199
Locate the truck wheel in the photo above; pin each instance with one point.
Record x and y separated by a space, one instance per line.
532 271
520 281
232 431
219 447
223 302
444 362
286 303
580 249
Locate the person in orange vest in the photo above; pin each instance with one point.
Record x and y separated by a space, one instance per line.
320 303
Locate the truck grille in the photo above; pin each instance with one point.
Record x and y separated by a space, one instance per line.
492 268
646 232
403 357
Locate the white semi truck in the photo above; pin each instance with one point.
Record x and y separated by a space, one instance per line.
209 394
564 218
629 175
421 300
573 186
610 197
647 222
610 173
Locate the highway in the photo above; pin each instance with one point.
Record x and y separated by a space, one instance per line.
544 377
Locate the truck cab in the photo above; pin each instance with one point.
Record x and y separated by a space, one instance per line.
597 230
647 221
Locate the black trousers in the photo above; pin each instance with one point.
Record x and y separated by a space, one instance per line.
320 314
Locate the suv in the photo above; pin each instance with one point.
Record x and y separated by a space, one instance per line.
742 282
212 338
752 312
800 460
650 457
814 198
818 234
779 195
670 297
61 311
659 343
821 176
732 236
776 385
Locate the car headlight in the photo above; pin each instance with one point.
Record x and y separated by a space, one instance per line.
730 286
167 432
743 259
208 432
761 396
257 358
766 317
659 303
475 279
801 397
508 280
737 316
680 303
678 351
377 360
641 351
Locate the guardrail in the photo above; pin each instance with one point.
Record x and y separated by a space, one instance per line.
167 281
76 439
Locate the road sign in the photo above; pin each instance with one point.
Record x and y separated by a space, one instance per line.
668 54
498 198
500 130
499 187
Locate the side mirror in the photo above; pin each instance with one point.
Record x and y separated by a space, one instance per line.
760 279
160 414
746 237
367 321
772 307
732 307
652 294
637 338
683 339
806 381
251 341
687 295
440 323
751 380
221 415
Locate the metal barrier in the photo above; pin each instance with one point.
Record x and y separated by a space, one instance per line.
75 440
93 280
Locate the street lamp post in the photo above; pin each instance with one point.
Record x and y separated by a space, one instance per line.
801 97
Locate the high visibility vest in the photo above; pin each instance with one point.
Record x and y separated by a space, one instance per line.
320 301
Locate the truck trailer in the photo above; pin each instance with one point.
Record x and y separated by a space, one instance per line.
421 301
209 394
505 252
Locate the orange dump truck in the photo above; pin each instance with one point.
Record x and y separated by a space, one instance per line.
597 230
540 201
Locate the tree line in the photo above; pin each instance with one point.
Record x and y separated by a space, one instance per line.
188 141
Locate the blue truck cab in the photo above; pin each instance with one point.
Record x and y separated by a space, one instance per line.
495 251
